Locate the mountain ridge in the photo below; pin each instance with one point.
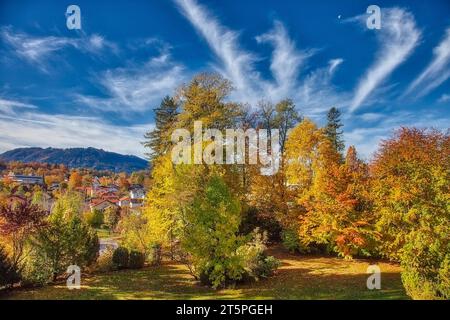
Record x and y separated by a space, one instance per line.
89 157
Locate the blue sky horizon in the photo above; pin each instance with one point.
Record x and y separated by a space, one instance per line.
98 86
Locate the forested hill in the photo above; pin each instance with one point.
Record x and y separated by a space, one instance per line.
97 159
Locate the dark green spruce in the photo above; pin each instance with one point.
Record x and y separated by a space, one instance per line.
333 129
158 140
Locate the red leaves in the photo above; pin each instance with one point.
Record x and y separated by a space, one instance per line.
20 216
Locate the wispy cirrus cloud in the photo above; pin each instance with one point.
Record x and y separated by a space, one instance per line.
444 98
27 128
235 63
9 107
37 50
137 87
398 38
316 93
286 61
286 64
436 73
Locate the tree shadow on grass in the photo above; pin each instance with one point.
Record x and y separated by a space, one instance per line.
299 277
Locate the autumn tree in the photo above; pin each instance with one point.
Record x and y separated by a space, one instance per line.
134 233
75 180
344 208
18 221
309 156
411 188
123 182
205 99
286 117
270 194
162 208
137 177
334 205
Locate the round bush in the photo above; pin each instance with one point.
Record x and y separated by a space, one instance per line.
38 270
120 258
154 257
8 273
136 260
290 240
105 262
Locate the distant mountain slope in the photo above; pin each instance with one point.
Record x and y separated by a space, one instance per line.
78 158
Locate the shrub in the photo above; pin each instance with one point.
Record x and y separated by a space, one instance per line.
38 270
134 232
111 218
8 273
120 258
255 261
136 260
290 240
426 263
105 261
154 256
444 277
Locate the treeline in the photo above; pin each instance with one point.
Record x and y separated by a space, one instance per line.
323 199
66 178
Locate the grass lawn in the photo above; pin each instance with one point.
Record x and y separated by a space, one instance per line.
299 277
106 234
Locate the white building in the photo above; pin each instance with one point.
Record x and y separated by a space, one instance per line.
23 179
137 194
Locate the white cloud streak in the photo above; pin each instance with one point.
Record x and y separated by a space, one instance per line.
316 93
398 37
444 98
286 64
437 72
8 107
286 60
236 64
137 88
38 50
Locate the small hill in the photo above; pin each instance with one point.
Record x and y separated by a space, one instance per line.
97 159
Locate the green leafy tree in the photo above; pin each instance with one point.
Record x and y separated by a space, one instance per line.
211 234
135 234
286 117
65 240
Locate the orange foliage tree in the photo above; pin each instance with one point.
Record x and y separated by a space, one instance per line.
411 192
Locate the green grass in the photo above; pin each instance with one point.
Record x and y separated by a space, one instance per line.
299 277
106 234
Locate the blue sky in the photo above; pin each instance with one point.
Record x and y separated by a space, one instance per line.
98 86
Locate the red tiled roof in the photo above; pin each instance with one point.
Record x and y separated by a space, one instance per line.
94 204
